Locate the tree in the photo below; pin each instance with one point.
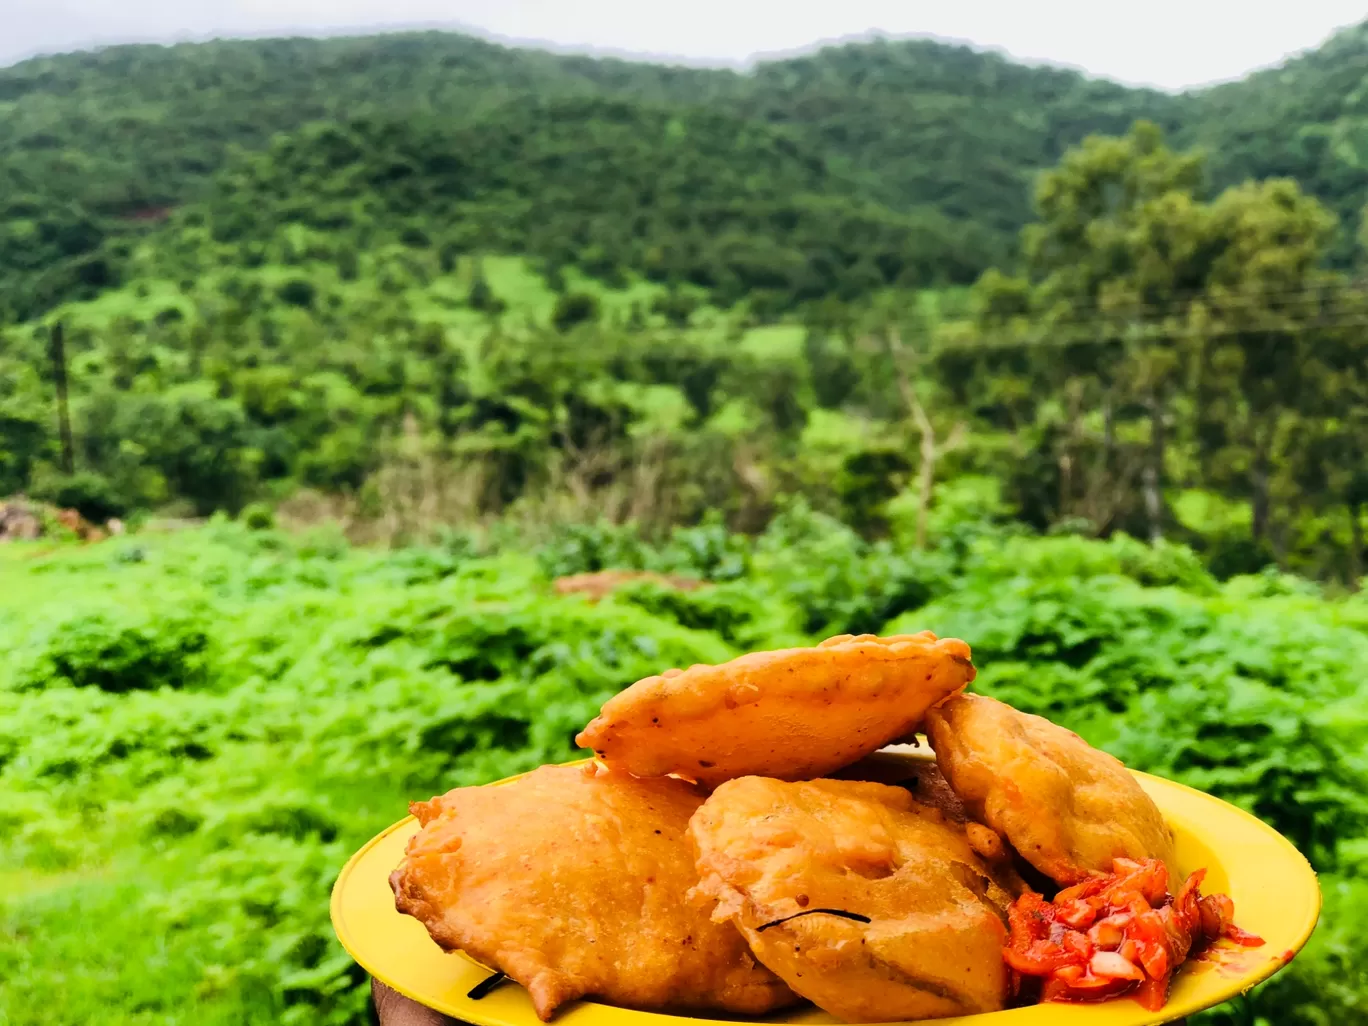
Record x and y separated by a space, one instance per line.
1264 303
22 440
482 296
1115 242
1329 465
197 441
573 309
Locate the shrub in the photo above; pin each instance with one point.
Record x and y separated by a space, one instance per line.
573 309
257 516
199 737
120 650
90 494
298 292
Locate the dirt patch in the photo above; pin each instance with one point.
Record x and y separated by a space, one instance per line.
598 585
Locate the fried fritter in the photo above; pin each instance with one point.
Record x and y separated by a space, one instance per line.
1066 807
571 881
793 714
931 943
919 775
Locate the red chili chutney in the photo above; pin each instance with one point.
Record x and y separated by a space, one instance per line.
1122 934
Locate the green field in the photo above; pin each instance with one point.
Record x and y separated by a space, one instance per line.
196 730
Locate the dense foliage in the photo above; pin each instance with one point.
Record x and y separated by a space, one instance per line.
421 282
94 147
195 731
610 187
331 316
1306 120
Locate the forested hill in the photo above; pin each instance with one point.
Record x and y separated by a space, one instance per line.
925 123
611 187
1307 120
95 145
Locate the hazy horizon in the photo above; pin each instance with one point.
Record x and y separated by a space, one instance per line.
1169 50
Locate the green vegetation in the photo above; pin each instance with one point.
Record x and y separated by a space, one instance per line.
336 314
1306 120
196 730
883 337
98 146
608 187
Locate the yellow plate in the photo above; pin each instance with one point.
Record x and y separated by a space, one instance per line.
1275 892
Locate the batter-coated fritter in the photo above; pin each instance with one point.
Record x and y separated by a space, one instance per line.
793 714
572 881
932 945
1066 807
921 776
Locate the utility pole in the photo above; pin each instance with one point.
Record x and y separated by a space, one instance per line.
57 350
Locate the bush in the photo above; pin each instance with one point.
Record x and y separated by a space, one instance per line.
483 298
573 309
676 307
197 738
257 516
588 548
298 292
88 493
120 650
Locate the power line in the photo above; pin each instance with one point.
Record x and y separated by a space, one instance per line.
1226 299
1130 325
1156 333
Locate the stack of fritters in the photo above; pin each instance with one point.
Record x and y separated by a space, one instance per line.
571 880
628 881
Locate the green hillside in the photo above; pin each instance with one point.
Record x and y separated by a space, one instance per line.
926 123
93 143
611 187
1306 120
94 146
97 144
311 263
869 340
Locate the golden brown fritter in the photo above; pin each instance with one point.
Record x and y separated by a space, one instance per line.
1066 807
793 714
572 880
932 943
921 776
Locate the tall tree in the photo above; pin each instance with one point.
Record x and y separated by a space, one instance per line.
1116 243
1266 298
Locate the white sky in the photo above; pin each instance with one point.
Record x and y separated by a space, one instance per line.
1167 43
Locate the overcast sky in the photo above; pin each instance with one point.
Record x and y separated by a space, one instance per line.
1168 43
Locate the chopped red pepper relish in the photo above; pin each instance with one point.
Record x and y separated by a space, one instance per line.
1122 934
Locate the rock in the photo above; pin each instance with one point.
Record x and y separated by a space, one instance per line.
20 521
72 521
24 520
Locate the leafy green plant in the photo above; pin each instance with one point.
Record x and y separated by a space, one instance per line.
200 741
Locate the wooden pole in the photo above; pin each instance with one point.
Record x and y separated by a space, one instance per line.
57 350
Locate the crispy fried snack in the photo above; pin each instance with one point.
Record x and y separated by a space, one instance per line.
571 880
793 714
1066 807
921 776
864 901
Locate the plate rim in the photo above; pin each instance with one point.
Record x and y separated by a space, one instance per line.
1253 978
